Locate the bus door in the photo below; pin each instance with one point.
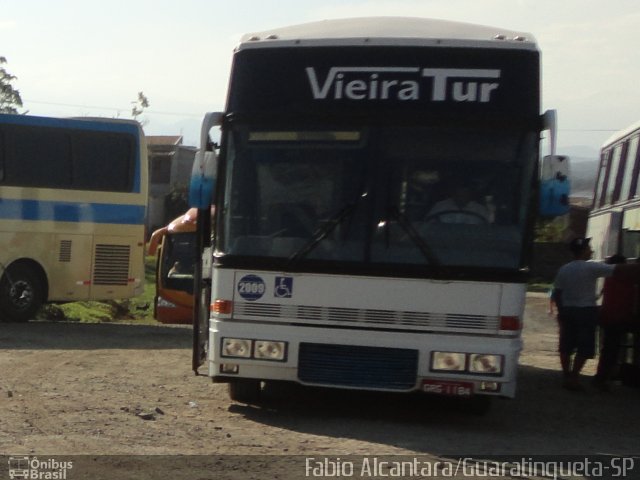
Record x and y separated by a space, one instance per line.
202 293
201 196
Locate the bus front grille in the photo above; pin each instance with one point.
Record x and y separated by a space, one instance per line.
357 366
111 265
356 317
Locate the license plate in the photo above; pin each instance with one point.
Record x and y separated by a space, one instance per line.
440 387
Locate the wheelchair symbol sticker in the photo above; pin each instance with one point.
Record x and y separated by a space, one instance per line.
283 287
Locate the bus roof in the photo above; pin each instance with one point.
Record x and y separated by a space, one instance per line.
80 123
398 31
620 134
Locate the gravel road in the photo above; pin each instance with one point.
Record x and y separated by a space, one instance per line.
114 389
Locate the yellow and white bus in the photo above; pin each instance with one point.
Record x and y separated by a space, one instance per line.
73 196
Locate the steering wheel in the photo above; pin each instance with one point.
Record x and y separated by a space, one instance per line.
437 215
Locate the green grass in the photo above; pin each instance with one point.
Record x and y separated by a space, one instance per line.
137 309
541 286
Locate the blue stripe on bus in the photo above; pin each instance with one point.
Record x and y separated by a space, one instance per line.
11 209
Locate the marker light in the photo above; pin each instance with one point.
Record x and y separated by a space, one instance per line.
222 307
236 347
489 387
448 361
510 323
229 368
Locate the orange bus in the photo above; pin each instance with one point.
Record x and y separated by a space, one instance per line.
174 247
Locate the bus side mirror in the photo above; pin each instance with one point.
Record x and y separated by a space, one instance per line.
550 122
555 186
203 176
202 184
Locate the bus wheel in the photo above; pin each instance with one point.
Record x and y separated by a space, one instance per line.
244 390
21 294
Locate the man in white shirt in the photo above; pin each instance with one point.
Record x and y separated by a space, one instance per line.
575 294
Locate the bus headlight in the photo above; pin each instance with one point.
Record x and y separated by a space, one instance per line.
484 363
448 361
269 350
236 347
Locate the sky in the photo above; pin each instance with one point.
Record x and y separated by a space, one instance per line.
89 57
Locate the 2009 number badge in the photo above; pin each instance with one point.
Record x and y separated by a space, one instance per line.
251 287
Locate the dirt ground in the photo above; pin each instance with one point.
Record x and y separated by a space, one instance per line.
112 389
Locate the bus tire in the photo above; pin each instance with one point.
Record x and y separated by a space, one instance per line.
22 296
244 390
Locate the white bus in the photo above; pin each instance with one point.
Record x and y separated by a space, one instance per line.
334 261
614 220
73 196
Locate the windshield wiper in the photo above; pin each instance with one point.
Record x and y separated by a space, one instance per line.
325 229
415 237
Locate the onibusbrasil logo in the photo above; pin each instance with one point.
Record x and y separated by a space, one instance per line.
35 468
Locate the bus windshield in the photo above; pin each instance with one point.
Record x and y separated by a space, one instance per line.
426 196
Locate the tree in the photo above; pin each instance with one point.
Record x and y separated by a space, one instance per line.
176 202
551 230
10 98
139 105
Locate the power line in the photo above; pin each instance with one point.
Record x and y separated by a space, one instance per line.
198 115
114 109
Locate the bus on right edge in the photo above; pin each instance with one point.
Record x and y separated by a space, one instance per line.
614 221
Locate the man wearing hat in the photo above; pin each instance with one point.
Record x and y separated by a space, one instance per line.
575 294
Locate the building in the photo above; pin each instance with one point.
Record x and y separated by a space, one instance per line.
170 164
